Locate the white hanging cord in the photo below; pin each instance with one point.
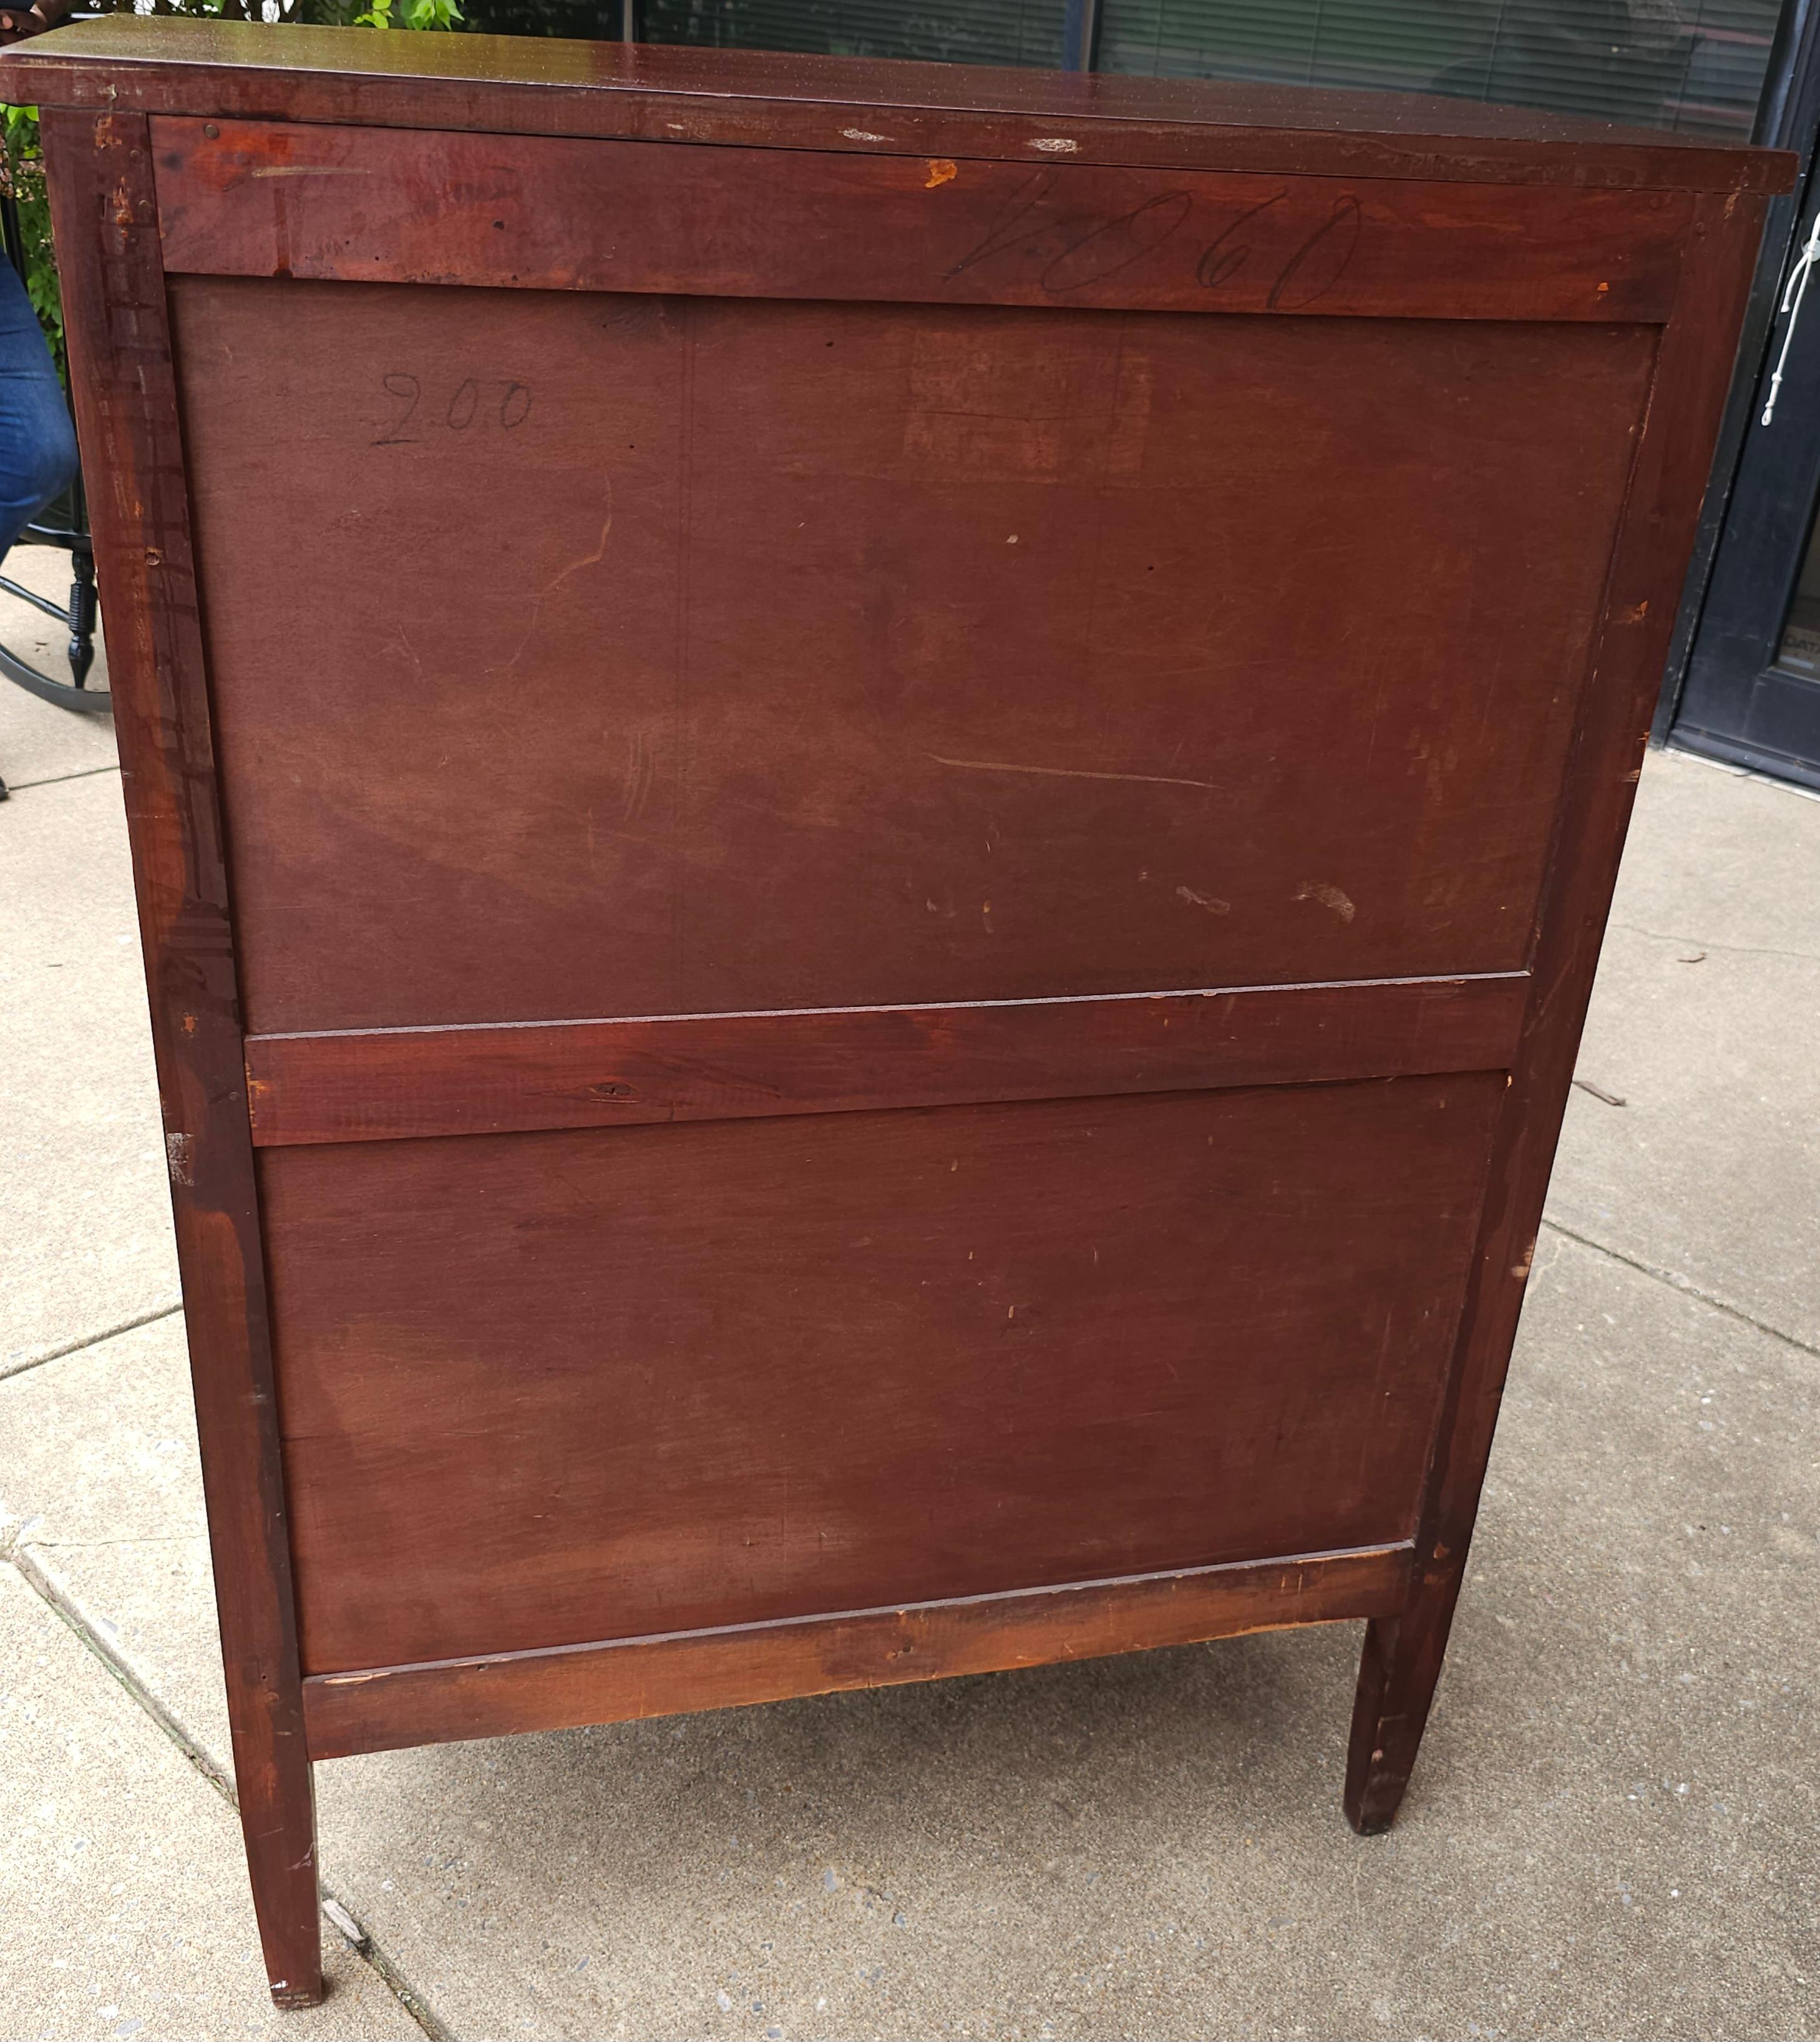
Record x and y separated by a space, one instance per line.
1796 291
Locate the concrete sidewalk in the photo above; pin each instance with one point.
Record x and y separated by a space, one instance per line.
1612 1830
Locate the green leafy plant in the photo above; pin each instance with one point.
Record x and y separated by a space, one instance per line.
24 171
21 165
415 14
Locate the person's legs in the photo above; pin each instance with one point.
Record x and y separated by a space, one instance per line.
37 443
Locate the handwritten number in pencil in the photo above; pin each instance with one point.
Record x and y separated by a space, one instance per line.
407 390
501 402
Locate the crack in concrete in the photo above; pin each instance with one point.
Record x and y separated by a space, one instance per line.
57 779
9 1370
48 1590
1676 1281
1710 943
69 1613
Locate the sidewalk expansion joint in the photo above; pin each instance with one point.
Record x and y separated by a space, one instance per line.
9 1370
1676 1282
57 779
340 1916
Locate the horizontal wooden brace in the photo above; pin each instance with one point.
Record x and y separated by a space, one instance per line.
373 206
616 1680
394 1083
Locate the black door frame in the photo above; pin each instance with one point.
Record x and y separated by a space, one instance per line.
1722 676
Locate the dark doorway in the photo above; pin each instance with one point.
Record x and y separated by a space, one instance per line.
1749 691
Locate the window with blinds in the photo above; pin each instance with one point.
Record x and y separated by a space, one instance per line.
989 31
1658 63
1692 64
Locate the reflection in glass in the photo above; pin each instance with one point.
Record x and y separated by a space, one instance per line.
1800 650
986 32
1694 65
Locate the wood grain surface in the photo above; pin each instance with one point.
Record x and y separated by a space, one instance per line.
126 412
396 1082
1403 1655
851 656
370 205
540 85
539 1389
380 1709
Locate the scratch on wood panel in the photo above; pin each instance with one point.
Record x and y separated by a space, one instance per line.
409 650
557 580
1056 145
312 170
586 560
1067 772
176 1153
1329 897
1207 901
640 775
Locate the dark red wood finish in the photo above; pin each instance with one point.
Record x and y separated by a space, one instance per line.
837 1361
625 1679
1403 1654
855 655
378 1083
843 106
127 414
1058 689
369 205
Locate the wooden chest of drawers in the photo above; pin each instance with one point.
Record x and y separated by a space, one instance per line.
872 807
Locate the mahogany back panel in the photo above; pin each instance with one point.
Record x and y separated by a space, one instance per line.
873 808
838 654
542 1388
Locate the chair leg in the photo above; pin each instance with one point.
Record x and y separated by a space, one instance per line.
1397 1675
278 1820
83 611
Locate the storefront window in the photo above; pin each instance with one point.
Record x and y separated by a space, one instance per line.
1696 65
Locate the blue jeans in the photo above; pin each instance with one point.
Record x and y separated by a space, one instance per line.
37 442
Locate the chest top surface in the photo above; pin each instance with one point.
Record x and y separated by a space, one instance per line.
538 85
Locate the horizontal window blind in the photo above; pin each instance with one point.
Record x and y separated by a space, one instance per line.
1661 63
1689 64
989 31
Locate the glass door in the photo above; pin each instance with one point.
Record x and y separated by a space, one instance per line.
1750 690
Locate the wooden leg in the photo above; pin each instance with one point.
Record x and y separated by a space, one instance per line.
1396 1679
278 1819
